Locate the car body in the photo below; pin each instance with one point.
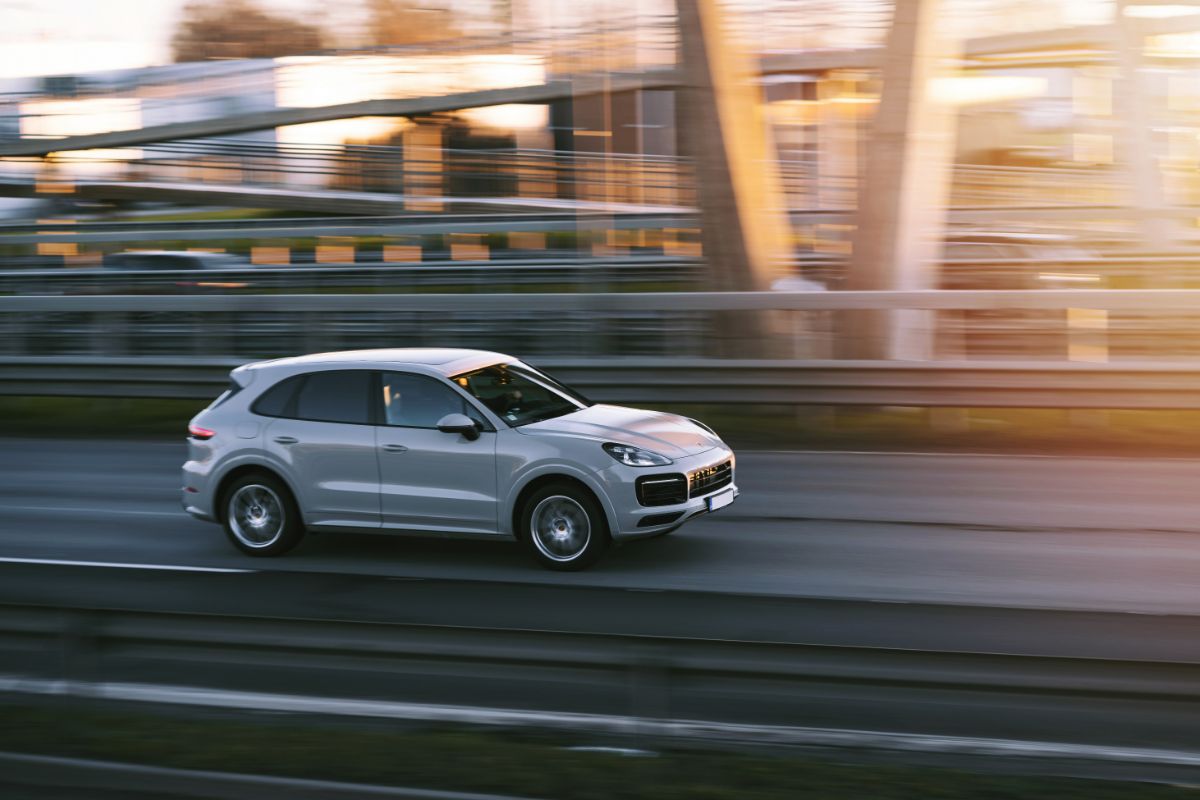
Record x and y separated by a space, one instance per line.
172 271
444 441
170 261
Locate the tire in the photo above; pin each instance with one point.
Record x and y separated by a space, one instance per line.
564 527
260 515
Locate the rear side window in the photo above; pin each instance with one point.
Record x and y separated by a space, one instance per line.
275 401
336 396
229 392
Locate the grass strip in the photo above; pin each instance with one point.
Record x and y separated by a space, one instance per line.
508 762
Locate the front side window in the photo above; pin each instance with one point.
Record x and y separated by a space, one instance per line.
520 395
417 401
336 396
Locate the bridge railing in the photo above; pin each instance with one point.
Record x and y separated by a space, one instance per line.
1050 325
673 381
517 273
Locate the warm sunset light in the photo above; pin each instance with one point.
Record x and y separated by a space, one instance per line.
600 400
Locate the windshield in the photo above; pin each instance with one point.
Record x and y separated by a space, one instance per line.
519 394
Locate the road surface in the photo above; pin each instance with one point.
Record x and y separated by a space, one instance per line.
1064 533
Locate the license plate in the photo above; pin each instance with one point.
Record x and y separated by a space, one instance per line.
720 500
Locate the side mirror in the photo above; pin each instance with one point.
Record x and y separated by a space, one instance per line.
459 423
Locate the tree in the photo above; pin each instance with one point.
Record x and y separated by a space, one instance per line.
239 29
400 22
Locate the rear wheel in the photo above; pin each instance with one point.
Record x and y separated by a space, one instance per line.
260 516
564 527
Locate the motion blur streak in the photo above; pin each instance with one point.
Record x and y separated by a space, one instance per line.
932 226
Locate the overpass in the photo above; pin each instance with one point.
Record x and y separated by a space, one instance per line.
1088 44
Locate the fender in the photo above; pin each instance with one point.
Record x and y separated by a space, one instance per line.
543 468
261 459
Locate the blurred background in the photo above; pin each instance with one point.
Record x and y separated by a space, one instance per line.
933 266
524 147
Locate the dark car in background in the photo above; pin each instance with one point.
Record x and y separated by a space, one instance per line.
131 272
170 260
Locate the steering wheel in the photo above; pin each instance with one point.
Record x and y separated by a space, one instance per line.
512 401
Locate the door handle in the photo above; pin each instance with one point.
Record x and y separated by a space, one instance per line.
286 440
395 448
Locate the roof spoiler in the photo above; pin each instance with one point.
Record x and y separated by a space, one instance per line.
243 376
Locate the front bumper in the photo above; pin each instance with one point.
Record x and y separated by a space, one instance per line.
636 521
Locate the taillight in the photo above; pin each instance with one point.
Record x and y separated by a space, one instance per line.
196 432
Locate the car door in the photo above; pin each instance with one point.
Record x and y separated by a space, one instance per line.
431 480
324 439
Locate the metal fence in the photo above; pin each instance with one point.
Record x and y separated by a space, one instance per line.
94 652
547 271
1051 325
678 381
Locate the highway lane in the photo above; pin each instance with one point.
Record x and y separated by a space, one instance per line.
893 575
1070 533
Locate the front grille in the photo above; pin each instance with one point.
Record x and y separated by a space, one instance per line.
661 490
708 479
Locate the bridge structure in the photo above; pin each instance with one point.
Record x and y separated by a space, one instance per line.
734 184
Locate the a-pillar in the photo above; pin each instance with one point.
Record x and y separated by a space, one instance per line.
905 188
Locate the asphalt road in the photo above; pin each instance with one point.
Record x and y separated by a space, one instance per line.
1063 533
910 568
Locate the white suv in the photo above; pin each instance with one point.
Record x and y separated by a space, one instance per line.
449 441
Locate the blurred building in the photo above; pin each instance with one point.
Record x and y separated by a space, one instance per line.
1040 92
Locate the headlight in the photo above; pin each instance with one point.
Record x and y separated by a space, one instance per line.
632 456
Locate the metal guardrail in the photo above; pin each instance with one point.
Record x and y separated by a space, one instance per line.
1124 325
499 274
367 225
959 300
703 381
540 222
540 215
505 268
87 643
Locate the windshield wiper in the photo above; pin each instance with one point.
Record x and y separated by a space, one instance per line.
549 415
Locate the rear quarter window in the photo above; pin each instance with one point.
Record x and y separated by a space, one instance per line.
232 389
277 401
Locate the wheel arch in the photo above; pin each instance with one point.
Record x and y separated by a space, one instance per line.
227 479
536 482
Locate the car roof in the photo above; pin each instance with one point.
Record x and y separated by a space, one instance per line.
443 360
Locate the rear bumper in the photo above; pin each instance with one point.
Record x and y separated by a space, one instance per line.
198 513
194 491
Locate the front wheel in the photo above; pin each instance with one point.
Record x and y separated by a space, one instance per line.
260 516
564 527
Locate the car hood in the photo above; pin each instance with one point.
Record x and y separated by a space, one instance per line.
671 435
